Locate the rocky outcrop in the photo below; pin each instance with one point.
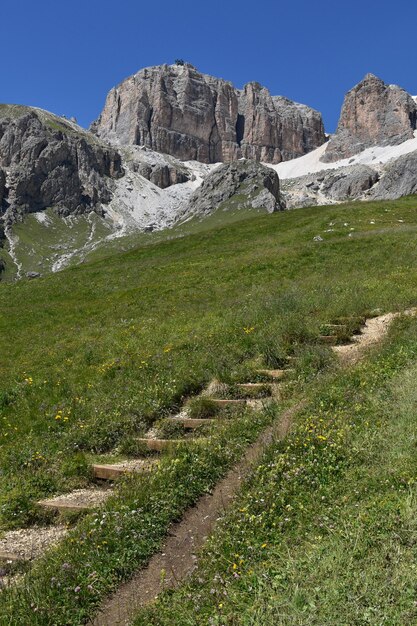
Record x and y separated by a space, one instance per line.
161 169
373 114
348 183
51 162
176 110
2 187
329 186
162 175
399 179
240 185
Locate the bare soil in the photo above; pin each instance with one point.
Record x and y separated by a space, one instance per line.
372 333
80 498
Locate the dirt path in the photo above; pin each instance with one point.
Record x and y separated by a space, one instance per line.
178 554
373 332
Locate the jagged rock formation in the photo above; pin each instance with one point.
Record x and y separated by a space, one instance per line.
348 183
177 110
240 185
399 179
161 169
50 162
373 114
326 187
162 175
2 185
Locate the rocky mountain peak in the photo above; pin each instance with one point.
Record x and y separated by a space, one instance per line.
175 109
373 114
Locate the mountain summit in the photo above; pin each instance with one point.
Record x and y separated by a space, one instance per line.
373 114
176 110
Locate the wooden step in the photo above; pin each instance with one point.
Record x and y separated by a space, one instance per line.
332 339
276 374
118 470
228 402
192 422
12 557
157 445
341 327
253 386
78 500
358 320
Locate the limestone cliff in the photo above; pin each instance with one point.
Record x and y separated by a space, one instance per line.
176 110
373 114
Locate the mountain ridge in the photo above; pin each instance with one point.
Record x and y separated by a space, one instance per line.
88 191
179 111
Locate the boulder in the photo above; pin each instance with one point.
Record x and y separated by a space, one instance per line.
239 185
348 183
399 178
352 182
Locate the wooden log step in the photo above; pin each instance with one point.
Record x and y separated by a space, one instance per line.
253 386
341 327
332 339
12 557
358 320
192 422
275 374
78 500
226 402
157 445
117 470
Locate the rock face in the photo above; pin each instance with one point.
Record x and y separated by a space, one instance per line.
51 162
177 110
399 179
348 183
337 185
2 185
373 114
161 169
239 185
162 175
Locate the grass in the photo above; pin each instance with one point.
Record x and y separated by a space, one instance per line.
202 407
324 532
107 546
94 356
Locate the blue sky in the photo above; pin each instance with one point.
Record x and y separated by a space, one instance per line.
65 56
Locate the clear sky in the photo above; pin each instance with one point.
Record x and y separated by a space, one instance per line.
65 56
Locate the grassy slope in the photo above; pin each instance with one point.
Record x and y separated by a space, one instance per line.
116 343
83 238
327 524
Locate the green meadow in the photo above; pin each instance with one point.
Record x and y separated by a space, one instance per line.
93 356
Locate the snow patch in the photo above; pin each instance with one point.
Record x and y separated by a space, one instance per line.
42 218
13 241
139 204
310 163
